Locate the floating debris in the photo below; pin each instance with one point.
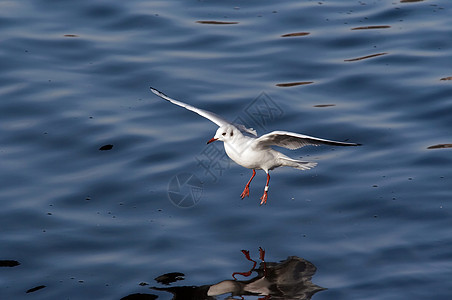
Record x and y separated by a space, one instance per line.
440 146
289 84
371 27
408 1
446 78
9 263
106 147
365 57
70 35
140 296
216 22
169 278
324 105
295 34
36 289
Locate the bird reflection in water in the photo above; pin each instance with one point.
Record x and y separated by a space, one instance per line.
288 279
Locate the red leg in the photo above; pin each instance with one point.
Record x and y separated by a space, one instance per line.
246 274
262 257
246 191
247 255
261 254
264 196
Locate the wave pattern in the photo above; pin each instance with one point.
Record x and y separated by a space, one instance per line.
88 154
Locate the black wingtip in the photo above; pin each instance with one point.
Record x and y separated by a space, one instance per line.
351 144
158 93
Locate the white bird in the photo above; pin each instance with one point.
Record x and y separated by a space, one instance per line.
244 147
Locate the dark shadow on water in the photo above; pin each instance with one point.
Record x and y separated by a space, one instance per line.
287 279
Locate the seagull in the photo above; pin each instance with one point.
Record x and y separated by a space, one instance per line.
245 148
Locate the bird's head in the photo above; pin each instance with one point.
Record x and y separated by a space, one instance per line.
224 133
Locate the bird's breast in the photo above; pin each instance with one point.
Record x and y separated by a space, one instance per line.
249 157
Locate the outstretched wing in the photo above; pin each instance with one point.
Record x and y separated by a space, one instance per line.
291 140
206 114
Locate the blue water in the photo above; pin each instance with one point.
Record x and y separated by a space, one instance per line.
369 222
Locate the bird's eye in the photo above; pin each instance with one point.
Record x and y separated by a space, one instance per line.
232 133
224 133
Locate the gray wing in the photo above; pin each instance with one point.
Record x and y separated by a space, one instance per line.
206 114
291 140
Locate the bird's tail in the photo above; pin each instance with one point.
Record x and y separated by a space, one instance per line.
297 164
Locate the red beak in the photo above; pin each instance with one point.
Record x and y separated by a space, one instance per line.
212 140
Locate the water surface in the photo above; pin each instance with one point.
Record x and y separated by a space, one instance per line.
371 222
